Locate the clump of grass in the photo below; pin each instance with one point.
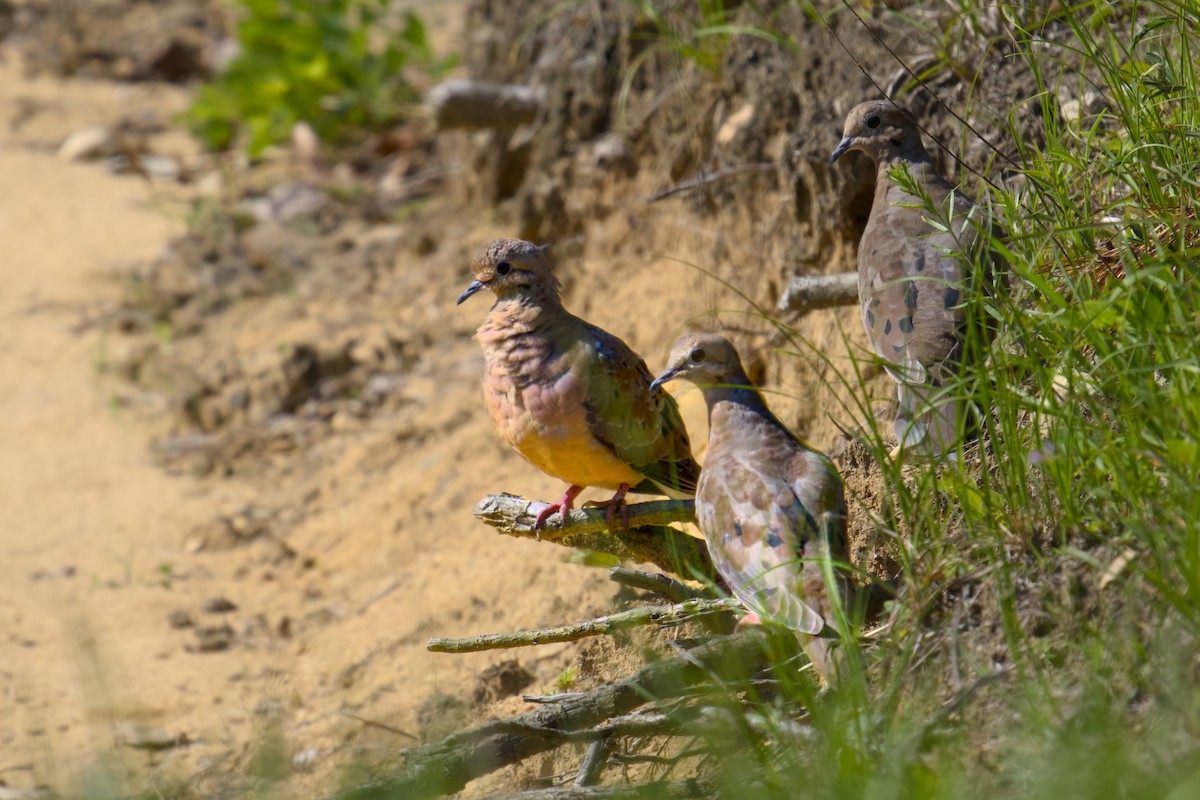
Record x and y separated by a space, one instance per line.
1043 643
338 65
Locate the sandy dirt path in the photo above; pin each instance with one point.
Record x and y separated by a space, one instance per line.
86 512
99 544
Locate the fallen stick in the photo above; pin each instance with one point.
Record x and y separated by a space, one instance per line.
447 766
705 178
655 582
593 764
689 789
811 292
648 539
676 614
483 104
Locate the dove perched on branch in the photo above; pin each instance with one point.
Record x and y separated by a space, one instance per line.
771 508
914 277
574 400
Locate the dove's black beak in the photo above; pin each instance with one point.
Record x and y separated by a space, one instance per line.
472 289
661 379
841 149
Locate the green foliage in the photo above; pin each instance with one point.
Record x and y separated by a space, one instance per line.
1043 642
697 33
1075 533
330 63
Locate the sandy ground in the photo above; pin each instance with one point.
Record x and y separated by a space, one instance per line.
367 546
85 509
101 545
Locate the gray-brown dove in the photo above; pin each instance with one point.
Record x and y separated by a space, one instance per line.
771 508
574 400
911 284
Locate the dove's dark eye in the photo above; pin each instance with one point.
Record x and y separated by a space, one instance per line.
503 268
697 355
873 121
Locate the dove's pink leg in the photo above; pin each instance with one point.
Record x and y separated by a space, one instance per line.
563 507
610 507
749 619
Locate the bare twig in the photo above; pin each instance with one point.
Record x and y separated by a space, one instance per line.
594 762
551 698
375 598
690 789
623 620
811 292
447 766
373 724
655 582
647 540
482 104
705 178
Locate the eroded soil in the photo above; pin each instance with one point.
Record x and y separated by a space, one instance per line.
240 458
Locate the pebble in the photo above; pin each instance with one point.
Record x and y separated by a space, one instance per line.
86 144
219 605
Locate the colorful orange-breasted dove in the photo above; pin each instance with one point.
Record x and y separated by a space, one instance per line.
771 508
911 282
574 400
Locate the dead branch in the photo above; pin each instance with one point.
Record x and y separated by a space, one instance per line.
690 789
676 614
447 766
658 583
705 178
551 698
593 764
647 540
482 104
811 292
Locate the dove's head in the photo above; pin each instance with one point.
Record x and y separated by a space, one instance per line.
705 359
883 131
512 268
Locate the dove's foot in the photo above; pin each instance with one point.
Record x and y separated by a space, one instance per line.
563 507
748 620
612 506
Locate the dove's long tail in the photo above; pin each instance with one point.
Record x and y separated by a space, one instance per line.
928 421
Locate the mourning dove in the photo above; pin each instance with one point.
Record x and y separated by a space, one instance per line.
911 284
770 507
573 399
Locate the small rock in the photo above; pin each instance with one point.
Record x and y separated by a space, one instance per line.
286 202
86 144
1071 110
143 737
611 152
212 639
219 605
180 619
146 164
379 386
306 757
734 124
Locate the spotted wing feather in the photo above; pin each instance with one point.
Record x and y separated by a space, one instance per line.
644 430
766 520
910 287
